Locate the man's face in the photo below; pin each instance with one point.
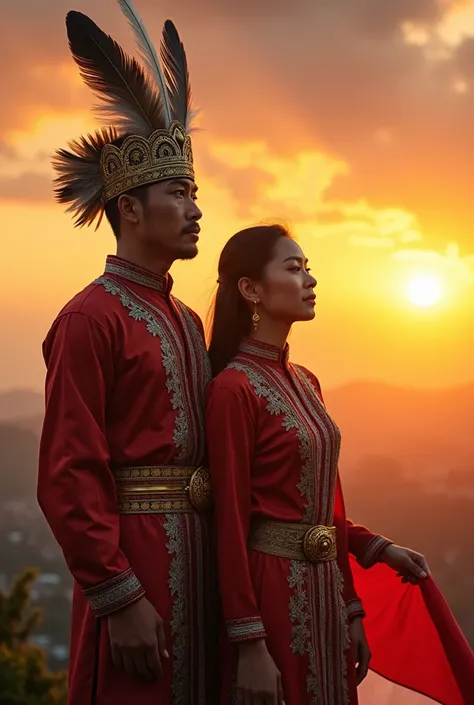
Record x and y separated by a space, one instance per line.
168 220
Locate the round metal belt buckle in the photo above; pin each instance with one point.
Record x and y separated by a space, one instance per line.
319 544
200 490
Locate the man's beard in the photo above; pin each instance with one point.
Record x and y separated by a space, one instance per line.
183 256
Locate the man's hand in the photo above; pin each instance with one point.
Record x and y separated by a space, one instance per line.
409 565
360 648
258 678
137 640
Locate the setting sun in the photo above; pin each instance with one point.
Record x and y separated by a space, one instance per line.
424 290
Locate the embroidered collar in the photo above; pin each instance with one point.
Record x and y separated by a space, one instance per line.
264 351
126 270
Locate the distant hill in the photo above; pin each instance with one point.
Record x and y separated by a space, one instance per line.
18 462
424 430
20 403
419 427
31 423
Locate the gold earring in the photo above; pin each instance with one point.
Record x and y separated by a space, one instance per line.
255 317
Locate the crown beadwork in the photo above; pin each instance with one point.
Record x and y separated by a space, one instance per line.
166 154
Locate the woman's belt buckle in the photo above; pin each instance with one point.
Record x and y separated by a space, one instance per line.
319 544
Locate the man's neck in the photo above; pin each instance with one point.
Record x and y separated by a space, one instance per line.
156 265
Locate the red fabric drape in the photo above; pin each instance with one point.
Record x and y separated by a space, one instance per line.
413 636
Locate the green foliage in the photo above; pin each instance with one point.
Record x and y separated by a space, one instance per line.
24 676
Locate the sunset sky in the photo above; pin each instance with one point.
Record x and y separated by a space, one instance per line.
352 120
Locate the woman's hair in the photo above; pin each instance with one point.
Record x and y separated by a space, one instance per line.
246 254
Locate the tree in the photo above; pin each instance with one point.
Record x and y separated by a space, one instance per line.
24 676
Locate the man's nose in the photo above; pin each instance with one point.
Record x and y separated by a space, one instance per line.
195 212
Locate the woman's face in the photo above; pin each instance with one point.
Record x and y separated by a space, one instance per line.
286 292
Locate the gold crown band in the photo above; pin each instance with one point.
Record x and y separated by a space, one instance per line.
166 154
299 542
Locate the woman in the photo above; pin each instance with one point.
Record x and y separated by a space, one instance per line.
289 603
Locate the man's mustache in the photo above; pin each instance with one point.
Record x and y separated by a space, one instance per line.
192 228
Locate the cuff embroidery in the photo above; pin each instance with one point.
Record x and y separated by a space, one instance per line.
244 629
114 594
372 552
354 609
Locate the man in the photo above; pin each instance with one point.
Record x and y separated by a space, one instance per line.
120 477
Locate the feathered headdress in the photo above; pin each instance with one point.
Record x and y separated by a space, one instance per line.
146 111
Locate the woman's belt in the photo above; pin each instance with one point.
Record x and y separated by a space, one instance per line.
162 490
300 542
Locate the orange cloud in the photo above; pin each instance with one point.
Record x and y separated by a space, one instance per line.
300 78
29 187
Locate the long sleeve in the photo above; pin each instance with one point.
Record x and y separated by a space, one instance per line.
353 603
76 489
231 438
365 546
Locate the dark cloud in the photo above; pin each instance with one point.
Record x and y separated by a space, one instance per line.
384 18
324 74
27 188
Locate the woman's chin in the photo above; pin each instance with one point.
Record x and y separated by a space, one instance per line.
308 315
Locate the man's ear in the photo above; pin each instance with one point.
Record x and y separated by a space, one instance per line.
129 208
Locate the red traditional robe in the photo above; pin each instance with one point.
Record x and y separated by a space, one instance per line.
273 452
126 374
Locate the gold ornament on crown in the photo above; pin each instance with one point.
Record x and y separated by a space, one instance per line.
166 154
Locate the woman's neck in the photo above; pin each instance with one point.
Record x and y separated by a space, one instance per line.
271 334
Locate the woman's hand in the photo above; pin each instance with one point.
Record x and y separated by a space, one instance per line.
409 565
360 648
258 679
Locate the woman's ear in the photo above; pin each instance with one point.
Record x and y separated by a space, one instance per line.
248 290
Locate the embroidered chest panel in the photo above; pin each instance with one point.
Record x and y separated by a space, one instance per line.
293 398
186 367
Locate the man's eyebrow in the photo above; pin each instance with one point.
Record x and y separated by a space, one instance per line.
184 183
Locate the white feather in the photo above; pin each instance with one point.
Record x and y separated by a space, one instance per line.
147 53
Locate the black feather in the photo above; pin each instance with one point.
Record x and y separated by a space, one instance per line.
78 183
129 100
175 67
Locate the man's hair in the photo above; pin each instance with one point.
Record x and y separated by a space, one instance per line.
112 211
111 208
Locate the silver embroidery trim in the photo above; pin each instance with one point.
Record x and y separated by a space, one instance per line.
372 551
236 630
185 442
354 607
277 405
113 593
158 284
344 637
200 378
332 439
303 630
178 578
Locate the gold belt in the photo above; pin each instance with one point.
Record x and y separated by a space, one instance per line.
159 490
300 542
